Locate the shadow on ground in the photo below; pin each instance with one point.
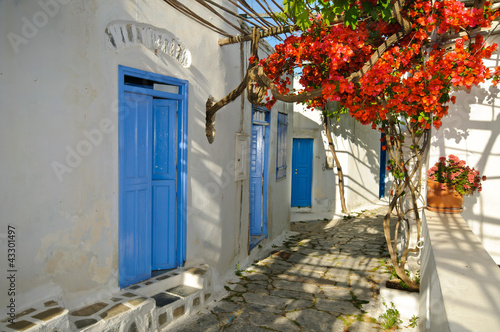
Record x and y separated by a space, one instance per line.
326 277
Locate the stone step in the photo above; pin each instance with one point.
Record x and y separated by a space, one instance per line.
150 305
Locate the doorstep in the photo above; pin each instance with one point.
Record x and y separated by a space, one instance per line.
150 305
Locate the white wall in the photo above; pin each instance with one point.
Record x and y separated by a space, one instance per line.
61 81
471 132
358 151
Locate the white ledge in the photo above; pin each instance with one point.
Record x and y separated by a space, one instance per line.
460 282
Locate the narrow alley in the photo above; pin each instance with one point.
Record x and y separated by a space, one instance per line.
325 277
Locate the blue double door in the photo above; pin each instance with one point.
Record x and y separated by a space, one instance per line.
302 172
148 157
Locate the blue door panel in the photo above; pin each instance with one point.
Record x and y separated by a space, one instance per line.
164 225
164 219
135 193
302 172
256 180
136 139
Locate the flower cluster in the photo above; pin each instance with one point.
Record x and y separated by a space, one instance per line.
453 173
411 80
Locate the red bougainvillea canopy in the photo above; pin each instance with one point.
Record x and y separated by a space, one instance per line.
412 78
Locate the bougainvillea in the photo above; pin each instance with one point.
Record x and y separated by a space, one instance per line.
413 78
394 69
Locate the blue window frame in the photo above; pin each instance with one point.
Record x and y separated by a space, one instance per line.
281 146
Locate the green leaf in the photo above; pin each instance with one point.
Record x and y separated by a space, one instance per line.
351 17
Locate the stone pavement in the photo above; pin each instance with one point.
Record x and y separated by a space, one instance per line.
325 277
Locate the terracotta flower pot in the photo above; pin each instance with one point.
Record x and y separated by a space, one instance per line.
443 200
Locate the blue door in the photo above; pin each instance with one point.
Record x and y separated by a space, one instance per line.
302 171
259 176
147 156
256 180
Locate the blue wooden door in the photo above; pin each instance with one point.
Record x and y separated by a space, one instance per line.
256 179
164 216
302 171
135 189
147 157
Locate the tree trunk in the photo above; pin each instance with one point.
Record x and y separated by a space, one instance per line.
328 133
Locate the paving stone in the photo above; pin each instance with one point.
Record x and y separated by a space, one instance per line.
266 300
255 276
23 313
162 319
162 299
337 293
196 271
292 294
299 304
261 308
113 311
307 281
297 286
80 324
179 311
205 323
50 303
258 269
258 289
242 327
225 306
21 325
312 320
238 288
89 310
307 268
362 293
275 322
48 314
336 307
301 276
182 290
338 273
135 302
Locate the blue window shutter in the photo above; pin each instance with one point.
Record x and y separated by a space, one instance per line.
281 146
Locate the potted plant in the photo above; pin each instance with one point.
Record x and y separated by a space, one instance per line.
448 181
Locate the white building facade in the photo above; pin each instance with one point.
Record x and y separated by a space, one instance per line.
107 174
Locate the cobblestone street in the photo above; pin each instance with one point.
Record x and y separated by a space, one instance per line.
326 277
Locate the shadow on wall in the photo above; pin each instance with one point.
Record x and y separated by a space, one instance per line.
358 151
471 131
361 145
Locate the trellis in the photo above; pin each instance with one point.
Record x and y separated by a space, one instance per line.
407 159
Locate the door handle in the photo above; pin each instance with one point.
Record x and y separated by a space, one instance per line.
295 171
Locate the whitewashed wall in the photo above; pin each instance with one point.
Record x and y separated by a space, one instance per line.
471 132
59 81
358 151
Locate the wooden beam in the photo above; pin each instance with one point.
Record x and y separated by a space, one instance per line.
263 33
